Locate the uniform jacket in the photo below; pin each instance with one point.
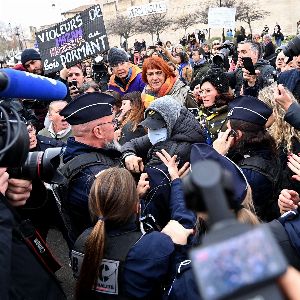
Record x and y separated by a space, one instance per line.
133 82
80 185
147 264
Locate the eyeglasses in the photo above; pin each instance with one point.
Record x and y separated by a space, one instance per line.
113 122
157 73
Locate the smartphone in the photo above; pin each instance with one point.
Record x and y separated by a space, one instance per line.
248 65
73 83
238 266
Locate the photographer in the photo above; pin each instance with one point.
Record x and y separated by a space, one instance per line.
241 79
23 274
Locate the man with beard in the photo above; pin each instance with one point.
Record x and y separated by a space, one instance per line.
32 62
86 154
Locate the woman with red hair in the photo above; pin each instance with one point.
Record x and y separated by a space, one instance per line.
162 81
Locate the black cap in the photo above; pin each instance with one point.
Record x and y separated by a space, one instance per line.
153 120
88 107
249 109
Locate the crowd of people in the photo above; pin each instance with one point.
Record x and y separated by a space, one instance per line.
129 135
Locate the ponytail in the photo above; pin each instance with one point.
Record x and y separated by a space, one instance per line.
89 273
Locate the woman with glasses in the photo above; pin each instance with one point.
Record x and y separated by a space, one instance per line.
215 94
161 81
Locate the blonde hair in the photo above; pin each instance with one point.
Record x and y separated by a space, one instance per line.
280 130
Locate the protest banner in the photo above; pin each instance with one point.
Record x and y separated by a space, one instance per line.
147 9
221 17
73 40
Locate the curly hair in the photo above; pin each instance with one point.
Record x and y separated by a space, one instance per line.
282 132
155 63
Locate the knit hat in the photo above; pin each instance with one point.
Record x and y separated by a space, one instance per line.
29 54
166 107
116 56
217 79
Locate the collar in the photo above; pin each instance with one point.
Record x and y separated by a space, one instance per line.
59 134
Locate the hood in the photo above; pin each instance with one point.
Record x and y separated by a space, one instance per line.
168 108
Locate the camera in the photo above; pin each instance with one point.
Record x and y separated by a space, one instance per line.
225 50
100 71
235 260
38 165
293 48
14 153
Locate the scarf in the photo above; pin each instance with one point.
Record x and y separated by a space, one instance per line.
149 95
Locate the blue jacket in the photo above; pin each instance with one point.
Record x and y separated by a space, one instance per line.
165 199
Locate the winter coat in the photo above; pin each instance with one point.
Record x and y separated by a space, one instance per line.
185 132
292 115
265 78
212 119
133 82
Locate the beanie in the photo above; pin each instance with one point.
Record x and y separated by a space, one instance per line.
29 54
218 79
116 56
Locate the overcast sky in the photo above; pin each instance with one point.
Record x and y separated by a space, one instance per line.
35 12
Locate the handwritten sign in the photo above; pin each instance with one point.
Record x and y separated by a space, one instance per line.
221 17
73 40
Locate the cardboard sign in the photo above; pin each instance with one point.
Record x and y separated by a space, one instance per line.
73 40
221 17
147 9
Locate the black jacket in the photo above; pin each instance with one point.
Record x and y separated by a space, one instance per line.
186 131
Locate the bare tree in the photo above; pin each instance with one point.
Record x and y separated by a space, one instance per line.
249 12
153 24
122 26
185 21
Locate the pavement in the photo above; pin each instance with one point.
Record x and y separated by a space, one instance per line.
60 250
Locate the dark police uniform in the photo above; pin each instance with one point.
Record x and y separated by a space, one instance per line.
83 109
146 264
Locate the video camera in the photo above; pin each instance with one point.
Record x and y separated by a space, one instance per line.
235 261
293 48
14 138
225 50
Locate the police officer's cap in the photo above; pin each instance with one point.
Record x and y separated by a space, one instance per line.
249 109
201 152
88 107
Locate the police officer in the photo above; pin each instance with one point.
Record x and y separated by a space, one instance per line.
86 154
122 262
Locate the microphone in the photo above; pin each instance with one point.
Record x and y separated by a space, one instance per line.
19 84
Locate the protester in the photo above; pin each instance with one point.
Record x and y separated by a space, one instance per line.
278 35
132 113
58 129
170 127
126 77
161 81
215 94
199 63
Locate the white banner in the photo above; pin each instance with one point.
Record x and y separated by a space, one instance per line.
221 17
147 9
